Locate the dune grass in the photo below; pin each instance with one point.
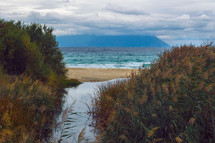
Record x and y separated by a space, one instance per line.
173 101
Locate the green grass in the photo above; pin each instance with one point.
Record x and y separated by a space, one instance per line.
65 83
173 101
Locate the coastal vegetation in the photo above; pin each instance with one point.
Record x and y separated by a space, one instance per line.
173 101
32 78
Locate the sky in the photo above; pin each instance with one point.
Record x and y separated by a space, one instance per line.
174 21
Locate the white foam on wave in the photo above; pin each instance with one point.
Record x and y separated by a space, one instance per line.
129 65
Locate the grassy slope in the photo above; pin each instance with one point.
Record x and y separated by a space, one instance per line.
174 101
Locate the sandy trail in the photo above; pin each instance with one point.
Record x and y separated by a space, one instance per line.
97 74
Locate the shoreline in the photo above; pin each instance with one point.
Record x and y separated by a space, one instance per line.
97 74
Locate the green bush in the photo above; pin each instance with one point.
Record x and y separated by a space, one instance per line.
30 49
17 53
173 101
48 46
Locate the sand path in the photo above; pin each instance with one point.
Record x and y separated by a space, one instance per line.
97 74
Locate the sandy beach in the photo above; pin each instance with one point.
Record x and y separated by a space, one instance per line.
97 74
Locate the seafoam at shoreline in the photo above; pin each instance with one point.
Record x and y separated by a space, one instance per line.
130 65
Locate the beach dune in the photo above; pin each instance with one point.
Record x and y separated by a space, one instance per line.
97 74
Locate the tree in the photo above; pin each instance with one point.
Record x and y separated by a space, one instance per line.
30 49
18 53
48 46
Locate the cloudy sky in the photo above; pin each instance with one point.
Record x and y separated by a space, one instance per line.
170 20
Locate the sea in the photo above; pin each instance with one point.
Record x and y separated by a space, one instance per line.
122 58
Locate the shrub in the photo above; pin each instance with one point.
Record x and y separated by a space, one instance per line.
30 49
17 53
48 46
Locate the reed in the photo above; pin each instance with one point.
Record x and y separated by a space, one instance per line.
173 101
27 108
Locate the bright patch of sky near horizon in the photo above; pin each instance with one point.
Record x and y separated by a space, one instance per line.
173 21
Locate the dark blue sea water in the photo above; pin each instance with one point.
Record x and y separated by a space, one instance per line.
131 58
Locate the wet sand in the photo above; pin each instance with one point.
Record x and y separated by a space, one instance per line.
97 74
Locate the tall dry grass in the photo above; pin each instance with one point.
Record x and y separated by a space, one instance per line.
26 109
173 101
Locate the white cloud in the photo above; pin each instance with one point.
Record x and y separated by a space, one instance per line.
184 17
169 20
125 10
204 17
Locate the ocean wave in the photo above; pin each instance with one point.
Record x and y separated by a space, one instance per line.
129 65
